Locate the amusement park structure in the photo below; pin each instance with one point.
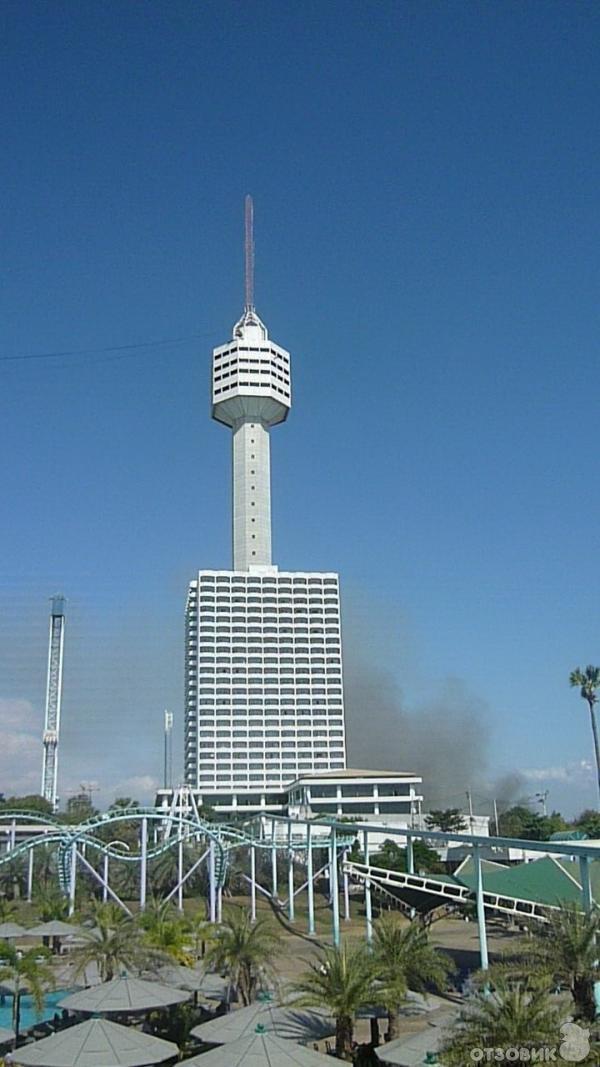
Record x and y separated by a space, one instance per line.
56 645
322 848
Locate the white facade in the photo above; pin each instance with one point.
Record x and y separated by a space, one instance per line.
264 683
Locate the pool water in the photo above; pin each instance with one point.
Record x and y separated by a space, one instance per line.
29 1016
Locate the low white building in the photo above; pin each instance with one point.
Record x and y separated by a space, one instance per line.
389 798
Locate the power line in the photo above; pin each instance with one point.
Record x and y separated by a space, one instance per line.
131 349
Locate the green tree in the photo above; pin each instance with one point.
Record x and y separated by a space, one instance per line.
566 948
588 822
519 821
51 905
393 858
27 972
166 931
513 1016
342 982
245 951
30 802
404 959
449 820
588 682
114 943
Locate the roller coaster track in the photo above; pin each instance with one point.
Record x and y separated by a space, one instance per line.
66 837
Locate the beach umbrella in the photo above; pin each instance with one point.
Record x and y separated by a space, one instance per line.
123 996
10 930
288 1023
415 1049
211 986
54 928
259 1049
96 1043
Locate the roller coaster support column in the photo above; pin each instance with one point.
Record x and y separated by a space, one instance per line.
72 878
13 834
180 874
219 904
273 862
30 876
105 879
586 885
310 884
368 902
290 875
212 905
253 883
483 947
143 863
346 889
410 856
335 897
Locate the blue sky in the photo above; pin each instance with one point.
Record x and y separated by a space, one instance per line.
425 180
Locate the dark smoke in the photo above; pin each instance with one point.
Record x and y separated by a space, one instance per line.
445 738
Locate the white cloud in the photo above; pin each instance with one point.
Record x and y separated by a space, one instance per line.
20 747
579 772
141 787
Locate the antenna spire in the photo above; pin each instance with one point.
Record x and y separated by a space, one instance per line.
249 253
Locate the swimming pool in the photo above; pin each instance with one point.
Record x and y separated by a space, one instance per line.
29 1016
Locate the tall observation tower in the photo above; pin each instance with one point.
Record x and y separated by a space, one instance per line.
56 644
263 678
250 394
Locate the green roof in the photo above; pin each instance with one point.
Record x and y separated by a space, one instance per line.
543 881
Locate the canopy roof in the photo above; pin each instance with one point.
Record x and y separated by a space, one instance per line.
211 986
259 1050
96 1043
411 1050
6 1035
290 1024
544 881
123 995
54 928
8 930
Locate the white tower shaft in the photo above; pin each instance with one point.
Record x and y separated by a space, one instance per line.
251 494
51 734
251 392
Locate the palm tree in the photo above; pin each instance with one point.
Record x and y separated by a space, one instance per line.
566 947
245 951
200 931
342 982
403 959
114 943
27 972
511 1016
589 684
166 931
